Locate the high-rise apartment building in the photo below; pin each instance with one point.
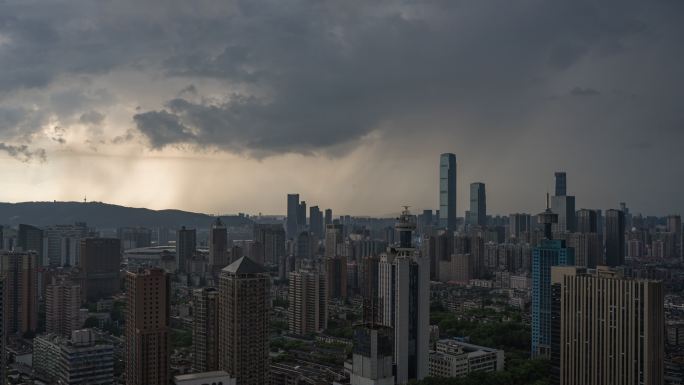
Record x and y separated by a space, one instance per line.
674 226
62 307
244 322
292 215
404 300
336 277
20 289
328 217
100 263
587 249
368 278
63 244
518 225
301 216
146 336
272 239
308 304
587 221
549 253
186 245
478 205
205 329
218 245
615 238
30 238
607 329
447 191
334 236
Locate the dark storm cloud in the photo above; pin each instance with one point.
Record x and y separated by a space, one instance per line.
308 76
23 153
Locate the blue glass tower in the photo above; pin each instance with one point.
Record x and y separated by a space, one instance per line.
551 252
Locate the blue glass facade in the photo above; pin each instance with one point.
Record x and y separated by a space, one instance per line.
447 191
549 253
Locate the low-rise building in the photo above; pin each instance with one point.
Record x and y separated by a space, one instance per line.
218 377
453 358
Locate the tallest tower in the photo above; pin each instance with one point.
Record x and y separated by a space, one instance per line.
447 191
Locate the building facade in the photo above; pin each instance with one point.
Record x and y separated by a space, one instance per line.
447 191
100 264
205 329
308 303
21 292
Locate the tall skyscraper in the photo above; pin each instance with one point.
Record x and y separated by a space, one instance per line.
63 244
301 216
615 238
328 217
564 206
549 253
308 303
218 245
30 238
336 277
100 263
334 236
316 222
674 226
292 214
404 299
62 307
369 289
447 191
186 245
587 221
3 332
518 224
272 239
607 329
205 329
244 321
146 336
478 205
20 287
561 184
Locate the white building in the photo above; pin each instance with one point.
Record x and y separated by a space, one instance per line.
456 359
372 357
80 360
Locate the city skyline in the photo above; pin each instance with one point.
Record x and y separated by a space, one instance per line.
226 107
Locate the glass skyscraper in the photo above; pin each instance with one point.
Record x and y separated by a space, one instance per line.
478 205
551 252
447 191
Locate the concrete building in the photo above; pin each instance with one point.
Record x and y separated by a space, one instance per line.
186 245
674 226
30 238
404 301
20 289
372 356
460 268
3 333
607 329
100 263
205 329
204 378
563 205
587 248
447 191
62 307
244 322
147 332
587 221
336 277
316 222
308 303
518 226
80 360
218 245
452 358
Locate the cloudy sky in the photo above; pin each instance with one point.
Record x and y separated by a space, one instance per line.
226 106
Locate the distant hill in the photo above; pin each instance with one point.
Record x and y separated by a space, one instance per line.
103 215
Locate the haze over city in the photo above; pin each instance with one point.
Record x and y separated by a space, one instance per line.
225 107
